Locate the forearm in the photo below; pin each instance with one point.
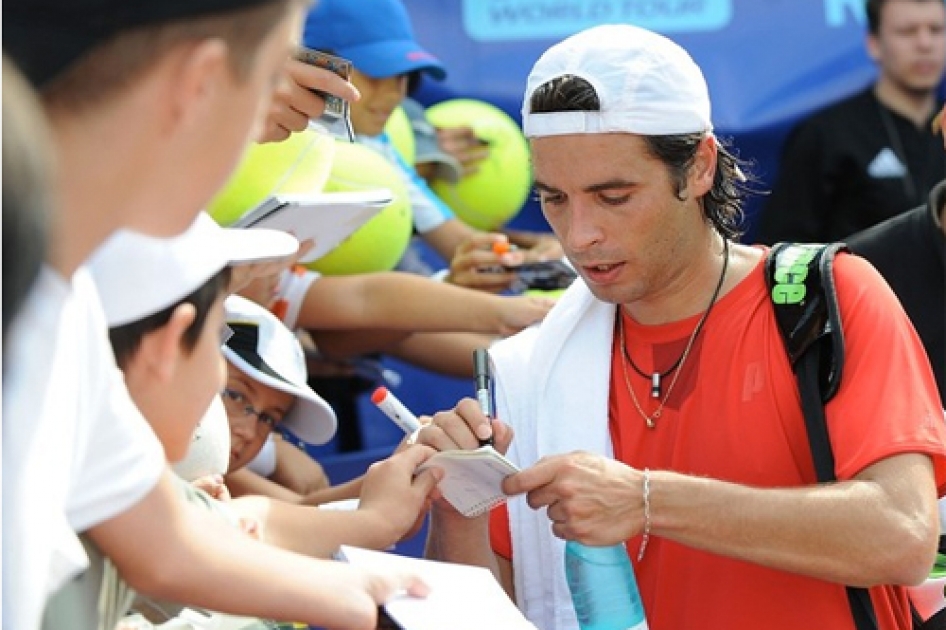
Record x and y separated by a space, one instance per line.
402 301
857 532
317 532
245 482
348 490
345 344
445 353
452 537
448 236
190 554
296 470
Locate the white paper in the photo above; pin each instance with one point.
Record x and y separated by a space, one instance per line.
327 218
472 480
461 597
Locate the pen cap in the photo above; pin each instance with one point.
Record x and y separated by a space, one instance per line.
379 394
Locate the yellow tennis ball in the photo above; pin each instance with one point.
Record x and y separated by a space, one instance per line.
494 194
299 164
552 294
379 244
401 133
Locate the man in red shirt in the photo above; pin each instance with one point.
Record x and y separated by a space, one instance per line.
656 404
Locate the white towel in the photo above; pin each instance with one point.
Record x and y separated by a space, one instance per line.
552 387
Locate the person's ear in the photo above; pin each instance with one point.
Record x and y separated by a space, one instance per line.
162 350
195 76
703 169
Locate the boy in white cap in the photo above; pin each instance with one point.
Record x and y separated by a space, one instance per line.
167 342
656 405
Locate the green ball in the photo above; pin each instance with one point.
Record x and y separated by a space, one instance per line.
552 294
493 195
380 243
401 133
299 164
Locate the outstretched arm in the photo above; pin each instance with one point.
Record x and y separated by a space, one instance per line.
392 505
411 303
190 555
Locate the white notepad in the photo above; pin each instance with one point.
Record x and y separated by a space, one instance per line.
327 218
472 482
462 597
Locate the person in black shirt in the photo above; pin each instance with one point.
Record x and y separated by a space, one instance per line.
909 250
870 156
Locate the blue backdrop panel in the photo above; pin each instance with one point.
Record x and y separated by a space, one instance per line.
767 63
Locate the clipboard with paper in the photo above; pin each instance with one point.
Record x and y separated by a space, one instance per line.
326 218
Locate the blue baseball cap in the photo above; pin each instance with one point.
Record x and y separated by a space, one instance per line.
376 35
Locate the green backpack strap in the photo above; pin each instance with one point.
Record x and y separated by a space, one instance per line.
800 278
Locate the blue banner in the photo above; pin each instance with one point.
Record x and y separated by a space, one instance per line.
768 63
512 20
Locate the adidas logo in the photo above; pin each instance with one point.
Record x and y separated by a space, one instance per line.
886 164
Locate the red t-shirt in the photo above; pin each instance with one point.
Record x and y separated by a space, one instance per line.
734 415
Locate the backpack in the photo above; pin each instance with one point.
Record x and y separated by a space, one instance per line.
800 279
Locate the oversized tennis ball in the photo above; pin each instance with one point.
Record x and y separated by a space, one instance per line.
494 194
299 164
379 244
401 133
552 294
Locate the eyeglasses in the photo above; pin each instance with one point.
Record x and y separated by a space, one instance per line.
239 405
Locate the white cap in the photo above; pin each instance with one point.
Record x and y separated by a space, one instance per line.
139 275
646 85
265 350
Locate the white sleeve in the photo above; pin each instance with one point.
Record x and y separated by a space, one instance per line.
118 457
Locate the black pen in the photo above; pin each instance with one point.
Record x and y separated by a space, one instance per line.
484 387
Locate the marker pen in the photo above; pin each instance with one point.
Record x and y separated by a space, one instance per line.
484 387
395 410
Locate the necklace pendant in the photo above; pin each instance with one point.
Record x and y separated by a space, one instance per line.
650 420
655 385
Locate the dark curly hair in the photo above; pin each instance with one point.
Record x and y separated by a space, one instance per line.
722 205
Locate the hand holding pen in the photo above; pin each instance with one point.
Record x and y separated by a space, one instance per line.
411 425
484 388
476 265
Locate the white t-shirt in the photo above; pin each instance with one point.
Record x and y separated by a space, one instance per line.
76 451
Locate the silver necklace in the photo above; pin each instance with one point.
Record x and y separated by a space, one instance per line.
677 367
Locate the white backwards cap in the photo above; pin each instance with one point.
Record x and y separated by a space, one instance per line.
646 85
139 275
269 353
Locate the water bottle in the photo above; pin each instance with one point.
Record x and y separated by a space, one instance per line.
603 587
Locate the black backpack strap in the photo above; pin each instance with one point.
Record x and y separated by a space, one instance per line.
801 284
